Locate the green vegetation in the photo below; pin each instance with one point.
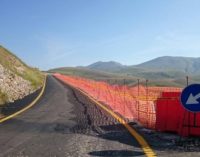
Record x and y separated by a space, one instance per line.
88 73
14 64
3 98
34 76
114 78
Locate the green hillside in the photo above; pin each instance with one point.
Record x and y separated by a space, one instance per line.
187 65
107 66
162 71
162 67
15 66
91 74
120 78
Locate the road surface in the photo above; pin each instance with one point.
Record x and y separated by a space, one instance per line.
65 123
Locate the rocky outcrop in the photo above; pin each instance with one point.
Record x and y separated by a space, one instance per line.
13 86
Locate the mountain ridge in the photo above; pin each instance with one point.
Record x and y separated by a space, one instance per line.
161 71
106 66
187 65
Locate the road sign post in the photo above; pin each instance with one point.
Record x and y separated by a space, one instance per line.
190 99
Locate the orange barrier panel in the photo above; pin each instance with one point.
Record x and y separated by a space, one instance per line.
135 103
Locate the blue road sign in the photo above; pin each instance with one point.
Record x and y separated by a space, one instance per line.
190 98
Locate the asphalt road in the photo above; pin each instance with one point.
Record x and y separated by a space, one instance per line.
65 123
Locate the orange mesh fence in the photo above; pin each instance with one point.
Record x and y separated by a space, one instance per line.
134 103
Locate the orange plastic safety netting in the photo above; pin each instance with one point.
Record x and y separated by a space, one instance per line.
134 103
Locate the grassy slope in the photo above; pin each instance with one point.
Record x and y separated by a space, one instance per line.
14 64
88 73
155 79
167 71
187 65
95 75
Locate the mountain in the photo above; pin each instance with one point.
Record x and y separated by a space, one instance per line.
161 65
161 71
106 66
16 78
187 65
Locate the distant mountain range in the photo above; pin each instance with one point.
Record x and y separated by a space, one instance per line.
187 65
184 65
167 71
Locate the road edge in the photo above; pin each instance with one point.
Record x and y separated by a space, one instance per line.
143 143
28 106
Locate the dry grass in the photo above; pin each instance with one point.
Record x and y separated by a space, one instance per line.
14 64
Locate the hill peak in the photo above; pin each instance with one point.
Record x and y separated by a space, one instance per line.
184 64
106 62
105 66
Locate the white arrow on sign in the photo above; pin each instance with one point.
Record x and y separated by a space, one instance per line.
193 99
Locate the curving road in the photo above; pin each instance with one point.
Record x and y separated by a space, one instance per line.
65 123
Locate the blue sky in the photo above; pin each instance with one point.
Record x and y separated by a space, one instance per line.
55 33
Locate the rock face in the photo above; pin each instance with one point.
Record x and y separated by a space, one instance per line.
17 79
13 86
